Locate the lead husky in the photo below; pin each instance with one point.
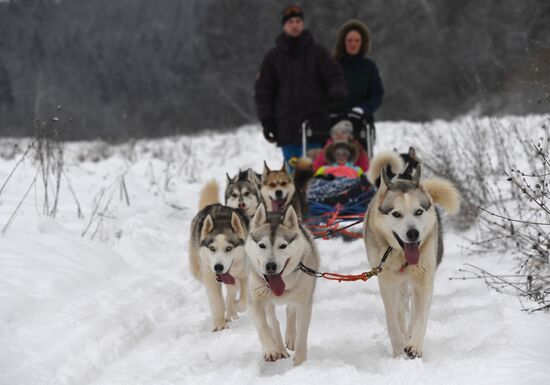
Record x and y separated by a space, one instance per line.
216 255
277 244
402 216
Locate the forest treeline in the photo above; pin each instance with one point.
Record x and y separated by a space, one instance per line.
141 68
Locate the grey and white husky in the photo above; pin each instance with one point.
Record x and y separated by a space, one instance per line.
217 255
276 245
243 191
403 216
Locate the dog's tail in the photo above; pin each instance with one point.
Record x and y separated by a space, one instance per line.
383 159
209 194
444 193
303 173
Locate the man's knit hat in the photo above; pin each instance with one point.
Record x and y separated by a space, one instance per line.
290 12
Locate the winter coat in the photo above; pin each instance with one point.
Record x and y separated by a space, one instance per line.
297 78
365 87
348 170
362 160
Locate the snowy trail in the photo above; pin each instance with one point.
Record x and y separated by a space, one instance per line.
123 309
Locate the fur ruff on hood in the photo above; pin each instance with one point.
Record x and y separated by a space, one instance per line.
352 149
353 25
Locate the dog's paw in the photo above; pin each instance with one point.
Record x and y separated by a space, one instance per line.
289 342
220 326
299 359
275 355
412 353
231 316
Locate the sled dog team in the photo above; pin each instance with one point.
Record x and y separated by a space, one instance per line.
253 246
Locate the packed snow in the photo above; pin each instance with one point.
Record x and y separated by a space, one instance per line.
107 298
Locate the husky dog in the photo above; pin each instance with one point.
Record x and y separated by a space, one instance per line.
280 189
242 192
402 215
216 255
276 246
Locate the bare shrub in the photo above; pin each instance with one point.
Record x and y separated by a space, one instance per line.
509 194
474 155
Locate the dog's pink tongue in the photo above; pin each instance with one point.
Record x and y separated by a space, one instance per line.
277 205
412 253
276 284
225 278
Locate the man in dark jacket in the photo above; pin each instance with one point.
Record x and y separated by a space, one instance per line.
298 79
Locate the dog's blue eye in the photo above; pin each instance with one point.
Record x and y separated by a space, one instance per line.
283 246
212 248
396 214
262 246
418 212
228 249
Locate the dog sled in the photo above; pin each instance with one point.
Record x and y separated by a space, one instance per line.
338 205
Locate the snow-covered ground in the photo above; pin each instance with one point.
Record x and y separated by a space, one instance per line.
118 305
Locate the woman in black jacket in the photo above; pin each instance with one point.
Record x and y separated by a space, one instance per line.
365 90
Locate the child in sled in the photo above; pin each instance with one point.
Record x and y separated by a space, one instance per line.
342 132
340 180
341 158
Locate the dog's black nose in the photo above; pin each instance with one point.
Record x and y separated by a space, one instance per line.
271 268
218 267
412 235
279 194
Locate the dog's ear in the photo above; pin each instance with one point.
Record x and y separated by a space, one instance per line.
253 177
291 219
260 217
416 176
284 167
443 193
229 179
207 226
237 226
266 171
412 153
385 181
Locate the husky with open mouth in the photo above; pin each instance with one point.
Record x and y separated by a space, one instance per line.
402 216
217 257
276 246
280 189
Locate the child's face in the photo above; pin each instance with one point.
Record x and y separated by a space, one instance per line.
341 156
340 136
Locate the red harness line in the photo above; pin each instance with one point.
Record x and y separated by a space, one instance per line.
333 225
346 277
